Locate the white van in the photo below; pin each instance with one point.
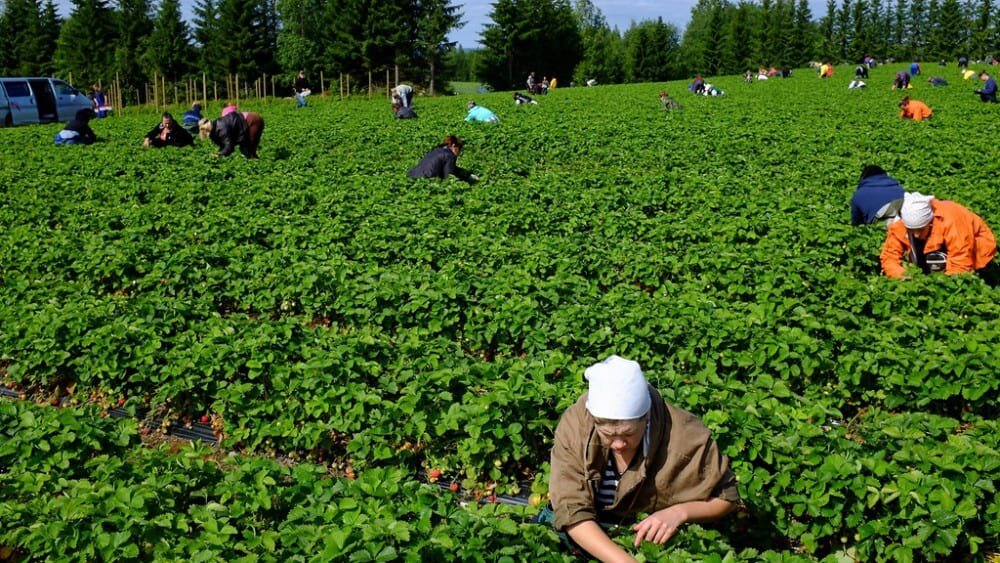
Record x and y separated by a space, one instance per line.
39 100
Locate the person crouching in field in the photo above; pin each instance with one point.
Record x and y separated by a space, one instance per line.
989 90
168 133
937 235
878 197
480 114
901 80
667 102
621 450
234 129
914 109
520 99
442 161
77 131
403 112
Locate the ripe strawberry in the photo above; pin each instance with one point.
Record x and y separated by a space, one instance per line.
453 487
434 474
144 431
54 402
204 419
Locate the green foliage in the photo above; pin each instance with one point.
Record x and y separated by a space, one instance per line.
319 303
86 44
169 49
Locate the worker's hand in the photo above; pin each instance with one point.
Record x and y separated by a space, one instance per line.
660 526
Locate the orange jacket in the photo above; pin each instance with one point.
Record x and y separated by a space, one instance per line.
916 110
960 233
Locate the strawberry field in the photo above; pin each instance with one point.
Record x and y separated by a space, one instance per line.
345 330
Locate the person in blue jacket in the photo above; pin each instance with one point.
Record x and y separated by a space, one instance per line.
914 68
878 197
989 91
441 162
479 113
901 81
77 131
191 118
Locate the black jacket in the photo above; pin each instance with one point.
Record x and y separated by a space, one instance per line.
177 137
82 127
439 163
229 132
405 112
300 85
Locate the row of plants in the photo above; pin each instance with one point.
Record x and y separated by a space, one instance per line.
317 303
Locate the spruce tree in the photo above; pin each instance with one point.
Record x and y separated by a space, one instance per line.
86 45
247 37
434 20
48 37
169 51
134 26
603 53
210 56
302 38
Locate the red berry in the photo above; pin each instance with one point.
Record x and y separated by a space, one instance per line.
434 473
453 487
491 499
204 419
121 401
144 431
55 402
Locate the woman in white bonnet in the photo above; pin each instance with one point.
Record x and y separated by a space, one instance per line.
621 450
937 234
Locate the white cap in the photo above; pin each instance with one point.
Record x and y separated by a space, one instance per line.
916 211
618 390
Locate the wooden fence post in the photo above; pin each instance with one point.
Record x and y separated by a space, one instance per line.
204 89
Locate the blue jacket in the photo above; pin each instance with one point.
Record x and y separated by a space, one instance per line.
990 87
872 194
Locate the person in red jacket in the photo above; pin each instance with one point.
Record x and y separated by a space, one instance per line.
914 109
937 235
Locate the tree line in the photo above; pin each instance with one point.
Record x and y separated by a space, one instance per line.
135 39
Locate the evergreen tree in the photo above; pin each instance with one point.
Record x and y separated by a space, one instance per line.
916 28
950 34
20 25
704 45
900 36
845 30
804 36
652 50
170 53
983 33
603 51
741 18
210 56
526 36
87 42
247 37
829 32
134 26
429 36
48 36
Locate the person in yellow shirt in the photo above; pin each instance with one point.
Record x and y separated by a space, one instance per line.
914 109
553 83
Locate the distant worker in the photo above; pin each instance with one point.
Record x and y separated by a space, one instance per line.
878 197
914 109
711 90
914 68
530 82
77 131
989 91
861 71
403 112
667 102
553 83
937 235
963 61
543 86
857 84
480 114
302 89
441 162
192 117
968 74
901 81
825 70
520 99
100 101
748 77
403 93
235 129
937 81
698 85
168 133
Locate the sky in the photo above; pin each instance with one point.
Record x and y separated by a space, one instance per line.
619 13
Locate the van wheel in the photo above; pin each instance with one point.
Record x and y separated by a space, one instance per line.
8 121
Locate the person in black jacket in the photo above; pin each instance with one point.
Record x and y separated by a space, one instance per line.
168 133
441 162
77 131
301 89
235 129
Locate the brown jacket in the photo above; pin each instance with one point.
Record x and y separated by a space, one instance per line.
683 464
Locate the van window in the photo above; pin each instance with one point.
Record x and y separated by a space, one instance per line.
63 89
17 88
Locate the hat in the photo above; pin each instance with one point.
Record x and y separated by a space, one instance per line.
618 390
916 211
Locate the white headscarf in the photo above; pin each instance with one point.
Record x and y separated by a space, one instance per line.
618 390
916 211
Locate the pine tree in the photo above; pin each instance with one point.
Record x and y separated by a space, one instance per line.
247 37
434 20
169 52
48 38
738 35
950 30
207 31
804 37
526 36
916 28
603 51
301 40
20 25
134 26
652 49
87 42
984 35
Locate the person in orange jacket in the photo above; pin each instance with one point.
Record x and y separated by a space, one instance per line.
937 235
914 109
